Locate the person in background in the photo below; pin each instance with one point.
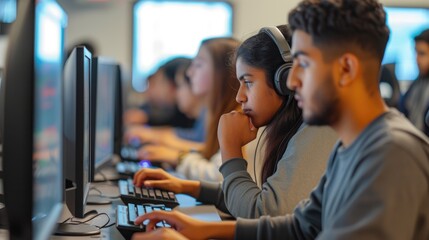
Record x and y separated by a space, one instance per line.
211 80
377 178
290 171
415 101
167 143
160 108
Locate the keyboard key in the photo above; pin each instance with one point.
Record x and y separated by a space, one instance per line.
158 193
165 195
151 193
145 193
131 213
140 210
138 192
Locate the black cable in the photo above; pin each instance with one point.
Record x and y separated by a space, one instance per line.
254 156
102 195
106 225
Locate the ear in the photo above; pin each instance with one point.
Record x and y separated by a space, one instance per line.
349 67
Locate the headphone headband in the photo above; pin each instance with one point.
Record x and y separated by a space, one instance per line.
280 41
281 74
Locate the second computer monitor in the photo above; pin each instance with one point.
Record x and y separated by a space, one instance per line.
104 73
77 129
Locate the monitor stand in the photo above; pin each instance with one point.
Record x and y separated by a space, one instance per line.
3 217
70 229
97 200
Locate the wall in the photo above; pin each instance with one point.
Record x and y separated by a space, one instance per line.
109 25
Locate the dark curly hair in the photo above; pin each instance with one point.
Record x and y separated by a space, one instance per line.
260 51
349 24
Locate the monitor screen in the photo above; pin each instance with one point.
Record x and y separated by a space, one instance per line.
47 136
157 38
105 74
404 24
32 149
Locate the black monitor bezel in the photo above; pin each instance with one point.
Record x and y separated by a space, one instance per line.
18 126
76 188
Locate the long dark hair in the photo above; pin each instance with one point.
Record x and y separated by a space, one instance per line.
260 51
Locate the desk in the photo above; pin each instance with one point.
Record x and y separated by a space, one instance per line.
188 205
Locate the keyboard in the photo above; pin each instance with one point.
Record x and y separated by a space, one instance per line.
129 153
125 216
138 195
127 169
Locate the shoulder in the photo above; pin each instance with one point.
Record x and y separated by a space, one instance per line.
394 141
395 131
309 144
313 136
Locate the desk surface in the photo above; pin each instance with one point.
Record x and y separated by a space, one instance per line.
188 205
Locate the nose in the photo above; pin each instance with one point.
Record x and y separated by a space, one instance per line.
189 71
241 96
292 79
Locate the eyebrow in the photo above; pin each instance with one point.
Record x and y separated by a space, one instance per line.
298 53
241 78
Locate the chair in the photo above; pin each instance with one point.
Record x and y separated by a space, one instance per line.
389 85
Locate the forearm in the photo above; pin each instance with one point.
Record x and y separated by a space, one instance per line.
184 145
191 187
220 230
211 193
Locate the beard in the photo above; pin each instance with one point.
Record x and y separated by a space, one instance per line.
326 110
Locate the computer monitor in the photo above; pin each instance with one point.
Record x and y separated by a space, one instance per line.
119 109
77 148
404 23
32 149
105 72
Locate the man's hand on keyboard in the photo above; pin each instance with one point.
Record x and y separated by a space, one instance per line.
158 178
158 234
187 226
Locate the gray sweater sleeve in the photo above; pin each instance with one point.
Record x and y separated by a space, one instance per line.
297 173
303 224
211 193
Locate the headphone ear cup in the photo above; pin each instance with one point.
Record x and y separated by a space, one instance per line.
280 80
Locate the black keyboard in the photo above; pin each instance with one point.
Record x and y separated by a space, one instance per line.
125 216
129 153
138 195
127 169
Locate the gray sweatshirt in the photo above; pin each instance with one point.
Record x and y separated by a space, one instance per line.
377 188
297 173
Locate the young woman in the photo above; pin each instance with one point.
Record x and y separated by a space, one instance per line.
295 154
212 80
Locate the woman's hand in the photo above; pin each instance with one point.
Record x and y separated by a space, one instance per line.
158 178
234 131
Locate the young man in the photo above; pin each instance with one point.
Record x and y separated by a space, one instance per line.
415 103
376 185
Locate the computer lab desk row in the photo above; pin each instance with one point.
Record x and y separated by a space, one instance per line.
188 205
110 191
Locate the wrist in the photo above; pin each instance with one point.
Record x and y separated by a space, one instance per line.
191 188
220 230
228 153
